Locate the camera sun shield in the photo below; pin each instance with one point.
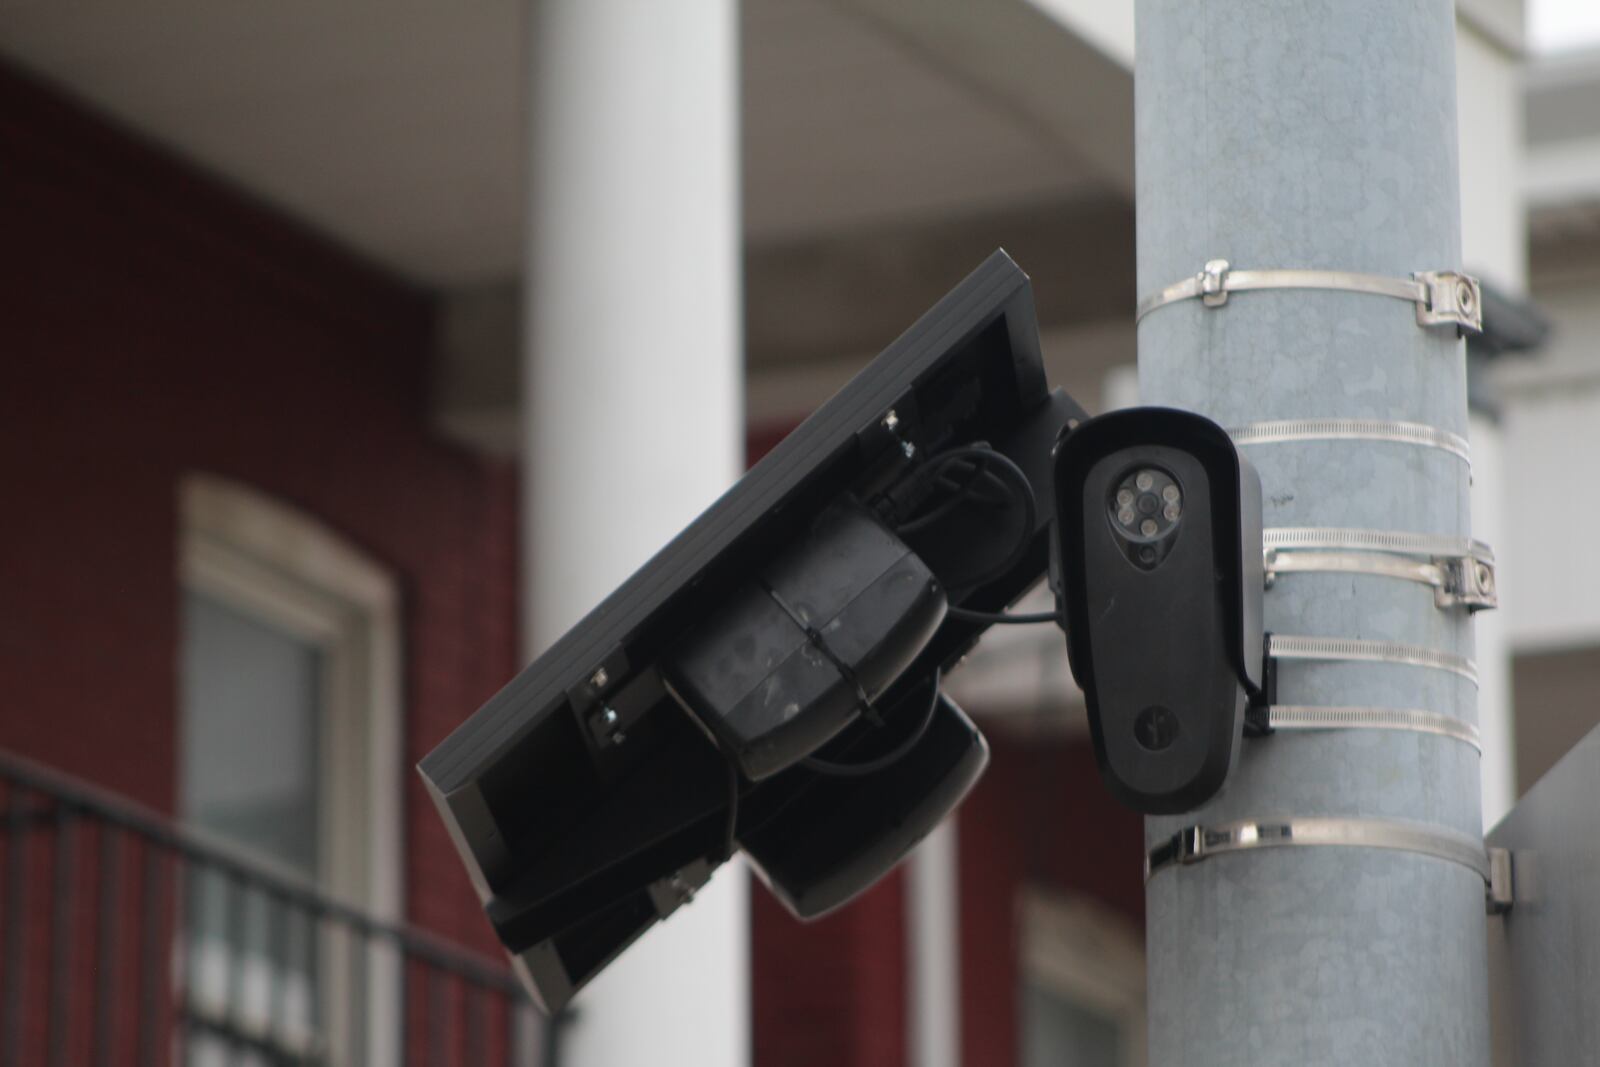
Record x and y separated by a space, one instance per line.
1159 569
838 836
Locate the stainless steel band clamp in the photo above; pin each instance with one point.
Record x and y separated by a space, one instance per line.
1357 650
1265 716
1278 431
1460 571
1310 717
1194 844
1442 297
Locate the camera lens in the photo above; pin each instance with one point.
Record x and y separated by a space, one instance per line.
1148 504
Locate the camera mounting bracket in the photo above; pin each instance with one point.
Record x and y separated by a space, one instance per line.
1460 571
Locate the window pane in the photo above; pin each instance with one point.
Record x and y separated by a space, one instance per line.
251 725
1060 1032
250 695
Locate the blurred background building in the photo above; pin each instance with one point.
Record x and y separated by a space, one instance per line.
280 485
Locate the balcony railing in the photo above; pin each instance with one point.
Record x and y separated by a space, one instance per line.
127 940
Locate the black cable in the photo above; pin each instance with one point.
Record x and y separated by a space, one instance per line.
1000 617
981 496
1024 496
730 842
960 493
1021 492
872 766
980 456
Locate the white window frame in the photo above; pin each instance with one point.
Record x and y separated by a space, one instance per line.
283 567
1084 952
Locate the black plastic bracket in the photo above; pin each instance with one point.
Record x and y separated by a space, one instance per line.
1257 714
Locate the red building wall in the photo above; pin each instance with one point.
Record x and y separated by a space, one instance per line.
153 323
832 991
1039 818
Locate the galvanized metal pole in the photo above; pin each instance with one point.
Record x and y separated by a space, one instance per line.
1319 135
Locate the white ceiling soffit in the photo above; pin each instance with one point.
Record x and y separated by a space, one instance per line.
1501 22
861 112
397 128
1561 173
1106 24
1061 70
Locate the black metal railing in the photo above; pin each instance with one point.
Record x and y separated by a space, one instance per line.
125 939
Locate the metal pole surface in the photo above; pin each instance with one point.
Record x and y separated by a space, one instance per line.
1318 135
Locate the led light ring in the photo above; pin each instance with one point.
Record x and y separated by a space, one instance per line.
1145 508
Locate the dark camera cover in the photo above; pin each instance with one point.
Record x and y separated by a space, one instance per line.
793 654
843 834
1158 551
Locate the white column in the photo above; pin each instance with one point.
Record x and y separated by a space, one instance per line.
933 950
1496 722
632 409
1493 244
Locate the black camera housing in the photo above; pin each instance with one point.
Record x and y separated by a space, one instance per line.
603 785
753 670
1158 561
